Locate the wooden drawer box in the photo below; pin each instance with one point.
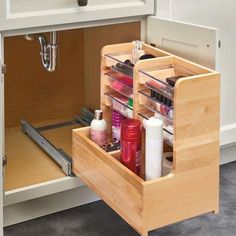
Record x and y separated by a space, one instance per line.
192 188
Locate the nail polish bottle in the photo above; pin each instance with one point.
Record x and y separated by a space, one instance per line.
117 118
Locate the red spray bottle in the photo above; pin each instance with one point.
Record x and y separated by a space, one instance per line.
131 144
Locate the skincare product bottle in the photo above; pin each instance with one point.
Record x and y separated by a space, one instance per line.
117 118
99 129
154 148
137 50
131 135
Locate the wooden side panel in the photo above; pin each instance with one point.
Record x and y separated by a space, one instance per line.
36 95
114 183
193 188
197 119
95 39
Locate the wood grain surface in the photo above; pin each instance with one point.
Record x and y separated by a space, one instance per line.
28 164
192 188
36 95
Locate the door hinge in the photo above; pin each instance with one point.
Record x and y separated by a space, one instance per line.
4 161
4 69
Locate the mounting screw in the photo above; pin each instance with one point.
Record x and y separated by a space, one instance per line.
83 3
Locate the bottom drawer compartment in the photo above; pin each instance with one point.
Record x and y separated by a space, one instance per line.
145 205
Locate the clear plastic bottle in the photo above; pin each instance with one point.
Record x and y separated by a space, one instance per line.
137 50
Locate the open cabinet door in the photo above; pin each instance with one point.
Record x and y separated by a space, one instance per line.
193 42
1 134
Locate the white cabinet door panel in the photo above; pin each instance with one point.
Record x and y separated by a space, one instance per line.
15 14
193 42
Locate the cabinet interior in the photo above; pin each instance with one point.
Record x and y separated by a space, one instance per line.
44 98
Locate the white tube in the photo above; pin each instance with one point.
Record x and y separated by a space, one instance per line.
154 148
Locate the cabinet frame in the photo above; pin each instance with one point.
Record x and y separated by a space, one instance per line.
19 16
1 132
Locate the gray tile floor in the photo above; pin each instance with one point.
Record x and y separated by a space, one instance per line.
97 219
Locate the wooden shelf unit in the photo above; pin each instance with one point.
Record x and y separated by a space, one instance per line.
192 188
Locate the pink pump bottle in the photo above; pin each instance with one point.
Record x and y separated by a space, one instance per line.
99 129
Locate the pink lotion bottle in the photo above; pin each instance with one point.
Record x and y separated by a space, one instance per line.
99 129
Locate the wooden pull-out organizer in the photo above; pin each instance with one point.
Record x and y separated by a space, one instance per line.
192 188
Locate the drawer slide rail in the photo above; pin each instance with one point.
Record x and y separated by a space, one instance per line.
57 154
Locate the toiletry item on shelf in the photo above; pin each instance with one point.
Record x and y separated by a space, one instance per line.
99 129
118 102
129 63
172 80
125 68
156 84
119 85
131 135
157 102
168 135
125 79
137 51
160 117
171 114
129 111
110 147
162 87
117 118
167 166
146 56
160 98
153 148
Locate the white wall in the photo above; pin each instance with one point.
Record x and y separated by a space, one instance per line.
219 14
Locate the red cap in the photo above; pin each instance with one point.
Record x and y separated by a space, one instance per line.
131 130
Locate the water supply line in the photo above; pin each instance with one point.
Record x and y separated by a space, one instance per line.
48 51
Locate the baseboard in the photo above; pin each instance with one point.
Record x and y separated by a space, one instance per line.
228 154
228 135
35 208
228 143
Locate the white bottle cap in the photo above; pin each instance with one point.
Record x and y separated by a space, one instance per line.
157 116
154 129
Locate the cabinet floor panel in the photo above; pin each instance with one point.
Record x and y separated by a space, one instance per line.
27 163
